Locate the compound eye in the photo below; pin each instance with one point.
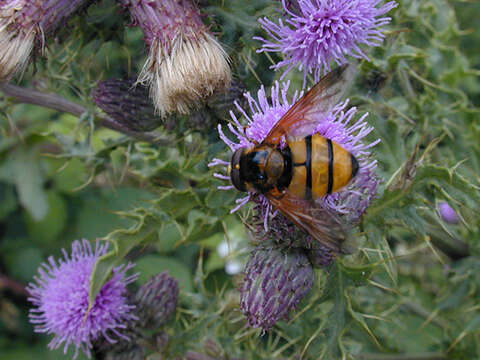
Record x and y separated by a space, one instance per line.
235 174
275 165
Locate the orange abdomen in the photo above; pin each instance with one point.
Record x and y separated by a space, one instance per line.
320 167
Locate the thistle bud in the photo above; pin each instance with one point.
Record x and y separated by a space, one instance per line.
291 6
127 103
156 300
448 214
275 281
186 64
25 24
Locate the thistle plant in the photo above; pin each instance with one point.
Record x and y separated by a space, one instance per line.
186 64
82 156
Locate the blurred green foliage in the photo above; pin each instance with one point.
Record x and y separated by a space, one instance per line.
412 288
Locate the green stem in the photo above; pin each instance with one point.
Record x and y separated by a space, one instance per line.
56 102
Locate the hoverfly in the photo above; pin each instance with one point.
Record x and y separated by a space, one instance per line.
293 169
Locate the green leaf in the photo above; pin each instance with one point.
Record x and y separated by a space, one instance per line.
123 241
97 214
177 202
8 200
217 199
456 298
214 262
337 315
22 168
384 253
69 176
359 274
46 230
201 226
28 351
473 324
451 181
359 318
169 235
21 264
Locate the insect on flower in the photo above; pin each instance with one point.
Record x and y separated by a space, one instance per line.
294 167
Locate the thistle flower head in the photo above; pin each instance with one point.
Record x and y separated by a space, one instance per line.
186 64
320 32
282 232
447 213
60 299
127 103
157 300
25 24
276 280
338 125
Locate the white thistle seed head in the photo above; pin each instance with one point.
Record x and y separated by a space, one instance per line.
182 78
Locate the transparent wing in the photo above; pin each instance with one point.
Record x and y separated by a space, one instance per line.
323 225
302 117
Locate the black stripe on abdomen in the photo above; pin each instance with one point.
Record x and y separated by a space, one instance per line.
330 166
308 165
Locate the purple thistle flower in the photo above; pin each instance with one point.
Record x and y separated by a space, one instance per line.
320 32
157 300
339 125
275 282
25 24
448 214
186 64
60 296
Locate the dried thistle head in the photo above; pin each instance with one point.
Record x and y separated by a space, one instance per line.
186 64
24 24
16 41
